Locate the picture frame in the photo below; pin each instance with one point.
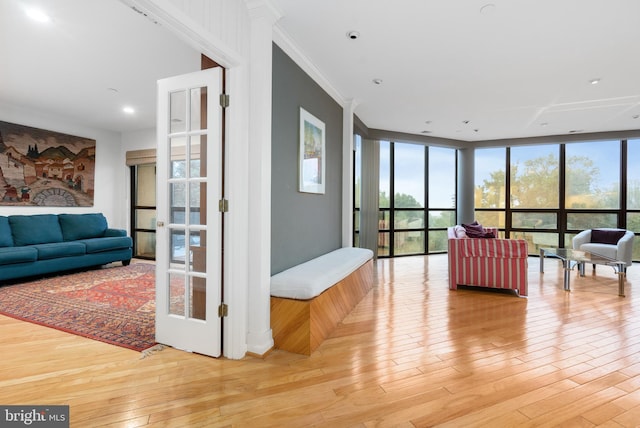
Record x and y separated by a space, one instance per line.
312 154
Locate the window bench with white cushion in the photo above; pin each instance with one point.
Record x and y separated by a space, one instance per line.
310 299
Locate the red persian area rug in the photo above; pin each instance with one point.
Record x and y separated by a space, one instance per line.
115 305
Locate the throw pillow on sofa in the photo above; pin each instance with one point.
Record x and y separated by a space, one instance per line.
475 230
82 226
35 229
459 232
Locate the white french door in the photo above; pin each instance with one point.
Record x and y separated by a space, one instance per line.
189 188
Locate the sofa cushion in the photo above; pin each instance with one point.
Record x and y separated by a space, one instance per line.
115 232
98 245
6 240
82 226
35 229
603 236
17 255
606 250
60 249
309 279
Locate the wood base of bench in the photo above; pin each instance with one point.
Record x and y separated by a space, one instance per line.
300 326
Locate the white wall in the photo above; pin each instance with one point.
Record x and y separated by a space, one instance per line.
139 140
111 186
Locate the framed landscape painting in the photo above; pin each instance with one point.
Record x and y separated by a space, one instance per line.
312 153
45 168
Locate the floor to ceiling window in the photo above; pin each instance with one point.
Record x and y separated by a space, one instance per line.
534 179
384 221
442 196
557 190
357 187
490 191
417 198
407 223
632 174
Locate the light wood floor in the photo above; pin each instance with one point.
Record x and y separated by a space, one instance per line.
412 353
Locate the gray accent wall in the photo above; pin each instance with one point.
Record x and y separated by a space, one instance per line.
303 225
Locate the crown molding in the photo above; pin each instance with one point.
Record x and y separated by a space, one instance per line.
188 30
289 47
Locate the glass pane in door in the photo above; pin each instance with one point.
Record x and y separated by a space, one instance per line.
198 309
177 151
198 248
195 189
194 151
176 294
178 112
198 99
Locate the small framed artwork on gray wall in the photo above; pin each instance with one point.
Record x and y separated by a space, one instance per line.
311 153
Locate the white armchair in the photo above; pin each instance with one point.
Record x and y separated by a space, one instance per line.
609 242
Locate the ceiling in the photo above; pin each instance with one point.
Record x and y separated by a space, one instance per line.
476 69
92 59
466 70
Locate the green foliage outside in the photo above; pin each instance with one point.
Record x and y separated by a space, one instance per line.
412 241
535 184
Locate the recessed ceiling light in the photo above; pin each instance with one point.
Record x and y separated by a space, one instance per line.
128 110
37 15
594 81
377 81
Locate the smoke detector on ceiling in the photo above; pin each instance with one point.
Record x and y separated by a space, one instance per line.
353 35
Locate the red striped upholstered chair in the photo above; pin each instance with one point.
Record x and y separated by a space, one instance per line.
487 262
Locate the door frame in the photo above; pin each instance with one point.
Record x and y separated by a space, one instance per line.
247 326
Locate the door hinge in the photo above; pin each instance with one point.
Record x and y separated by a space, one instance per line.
223 205
223 310
224 100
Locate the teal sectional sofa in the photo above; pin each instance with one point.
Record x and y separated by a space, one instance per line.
39 244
